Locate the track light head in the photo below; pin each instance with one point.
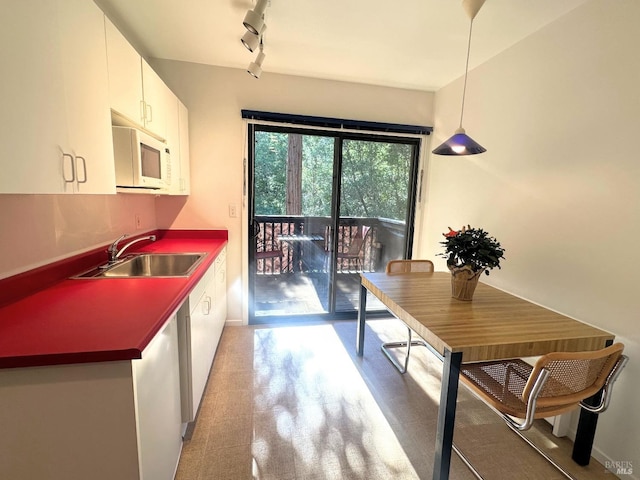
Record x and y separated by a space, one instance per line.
254 19
255 68
251 40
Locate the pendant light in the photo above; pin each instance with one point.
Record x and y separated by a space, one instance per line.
460 143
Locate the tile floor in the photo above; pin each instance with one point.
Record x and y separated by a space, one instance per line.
294 402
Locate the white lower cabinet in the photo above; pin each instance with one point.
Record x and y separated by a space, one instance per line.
158 411
114 420
199 330
221 288
103 421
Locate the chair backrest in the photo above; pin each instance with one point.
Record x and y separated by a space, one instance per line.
572 376
409 266
357 242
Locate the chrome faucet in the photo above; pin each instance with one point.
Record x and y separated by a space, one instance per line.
115 254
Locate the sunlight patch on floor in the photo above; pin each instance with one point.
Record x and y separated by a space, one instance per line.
307 379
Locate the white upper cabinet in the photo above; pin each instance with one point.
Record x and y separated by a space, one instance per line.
55 115
86 87
136 92
184 184
140 98
159 101
125 76
178 142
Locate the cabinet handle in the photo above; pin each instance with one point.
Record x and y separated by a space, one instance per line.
206 306
149 117
73 168
84 169
143 111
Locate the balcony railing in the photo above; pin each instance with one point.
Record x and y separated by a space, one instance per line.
363 244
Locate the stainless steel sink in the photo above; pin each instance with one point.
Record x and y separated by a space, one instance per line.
149 265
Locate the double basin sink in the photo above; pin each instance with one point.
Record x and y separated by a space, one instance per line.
149 265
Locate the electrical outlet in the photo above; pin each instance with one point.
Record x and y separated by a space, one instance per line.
233 210
138 221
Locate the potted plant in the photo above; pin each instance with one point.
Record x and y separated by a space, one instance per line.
469 252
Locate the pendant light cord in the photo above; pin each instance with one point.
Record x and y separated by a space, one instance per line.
466 72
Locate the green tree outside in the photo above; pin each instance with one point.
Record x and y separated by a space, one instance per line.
375 176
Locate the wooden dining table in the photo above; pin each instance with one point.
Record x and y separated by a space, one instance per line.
494 325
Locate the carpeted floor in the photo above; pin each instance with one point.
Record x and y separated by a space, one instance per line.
294 402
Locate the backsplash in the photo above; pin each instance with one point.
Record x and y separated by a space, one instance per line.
38 229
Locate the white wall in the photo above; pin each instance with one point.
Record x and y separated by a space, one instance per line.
215 96
559 114
38 229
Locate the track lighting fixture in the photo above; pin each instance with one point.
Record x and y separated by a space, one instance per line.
460 143
250 40
254 19
254 37
255 67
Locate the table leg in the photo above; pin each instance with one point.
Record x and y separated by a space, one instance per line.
446 414
585 433
586 429
362 311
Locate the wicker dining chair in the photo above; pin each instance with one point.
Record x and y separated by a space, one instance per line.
354 252
557 383
405 266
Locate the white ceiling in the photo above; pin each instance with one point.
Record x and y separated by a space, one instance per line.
417 44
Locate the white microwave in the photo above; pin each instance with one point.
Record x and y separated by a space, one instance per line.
141 160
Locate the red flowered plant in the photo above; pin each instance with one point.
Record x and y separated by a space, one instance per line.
473 248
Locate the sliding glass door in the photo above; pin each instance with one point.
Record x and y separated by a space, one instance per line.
324 207
292 203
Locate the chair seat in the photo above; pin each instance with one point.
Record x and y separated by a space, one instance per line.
557 383
501 384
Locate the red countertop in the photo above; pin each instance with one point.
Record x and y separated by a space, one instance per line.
98 319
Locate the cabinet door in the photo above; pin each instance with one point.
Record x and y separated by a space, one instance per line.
158 99
221 291
173 143
84 68
57 131
202 331
32 98
178 141
185 168
125 76
157 392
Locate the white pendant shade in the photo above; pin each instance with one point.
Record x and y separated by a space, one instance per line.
472 7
